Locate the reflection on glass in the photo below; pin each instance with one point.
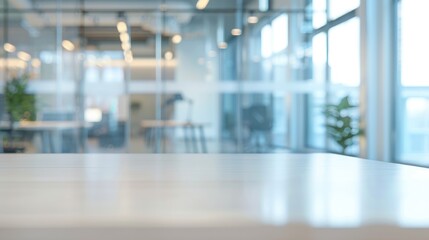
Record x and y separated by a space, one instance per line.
412 199
340 204
156 81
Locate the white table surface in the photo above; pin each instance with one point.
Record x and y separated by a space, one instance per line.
170 124
284 196
44 125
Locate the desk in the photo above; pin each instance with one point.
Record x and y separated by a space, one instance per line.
229 197
47 130
155 125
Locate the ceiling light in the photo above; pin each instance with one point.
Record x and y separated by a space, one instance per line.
36 63
236 32
128 56
121 26
24 56
176 39
68 45
201 4
212 53
93 115
168 55
126 46
222 45
124 37
9 47
252 19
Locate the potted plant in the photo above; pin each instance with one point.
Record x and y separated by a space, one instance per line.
20 105
341 126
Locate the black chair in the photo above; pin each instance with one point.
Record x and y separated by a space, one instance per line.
110 134
259 122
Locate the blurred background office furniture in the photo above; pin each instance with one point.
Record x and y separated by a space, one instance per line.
50 133
258 120
66 138
109 132
193 133
13 141
170 103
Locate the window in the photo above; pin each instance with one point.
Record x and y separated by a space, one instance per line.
280 33
274 36
344 53
319 57
264 5
338 8
319 13
414 43
335 66
413 103
316 128
266 41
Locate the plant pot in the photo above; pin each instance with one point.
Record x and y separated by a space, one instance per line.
13 149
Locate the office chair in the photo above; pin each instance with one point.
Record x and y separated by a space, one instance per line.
259 122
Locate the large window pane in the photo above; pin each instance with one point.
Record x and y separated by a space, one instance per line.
186 67
319 13
340 7
415 133
344 53
414 43
266 41
280 33
413 106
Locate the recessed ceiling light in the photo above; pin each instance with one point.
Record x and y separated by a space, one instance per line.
168 55
124 37
252 19
202 4
121 26
36 63
222 45
8 47
211 53
126 46
128 56
68 45
24 56
176 39
236 32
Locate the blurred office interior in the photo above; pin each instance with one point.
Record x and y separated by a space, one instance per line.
218 76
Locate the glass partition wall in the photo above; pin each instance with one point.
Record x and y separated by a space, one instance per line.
159 76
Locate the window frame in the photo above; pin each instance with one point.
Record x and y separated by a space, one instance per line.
330 23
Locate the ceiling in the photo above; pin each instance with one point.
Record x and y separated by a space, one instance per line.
95 20
124 4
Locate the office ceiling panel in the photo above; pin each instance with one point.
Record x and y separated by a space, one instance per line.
122 4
